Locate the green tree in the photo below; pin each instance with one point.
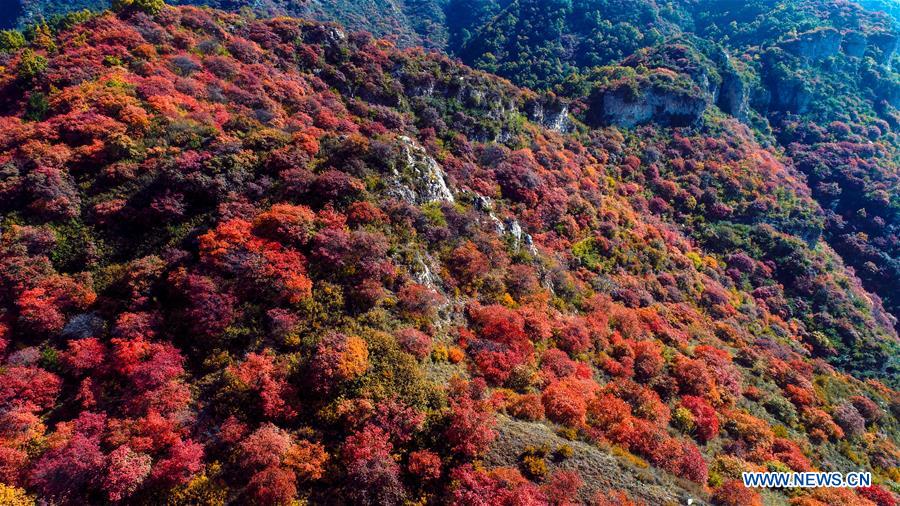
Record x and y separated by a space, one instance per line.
148 6
32 65
10 40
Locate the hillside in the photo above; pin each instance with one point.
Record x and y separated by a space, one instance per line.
815 78
407 22
261 260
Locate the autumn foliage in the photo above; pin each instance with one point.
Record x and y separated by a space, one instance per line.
265 261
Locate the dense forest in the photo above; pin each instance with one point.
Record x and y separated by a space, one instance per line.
760 61
248 258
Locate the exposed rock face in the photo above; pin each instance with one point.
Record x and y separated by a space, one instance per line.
791 95
419 179
815 45
884 45
83 325
551 114
708 66
423 272
733 95
854 44
785 91
510 225
669 107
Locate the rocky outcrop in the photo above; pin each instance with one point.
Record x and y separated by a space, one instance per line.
509 226
423 271
785 89
418 178
790 95
551 114
854 44
824 43
84 325
814 45
882 46
644 101
733 96
885 88
708 66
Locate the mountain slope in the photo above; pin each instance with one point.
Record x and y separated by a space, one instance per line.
813 77
258 260
408 22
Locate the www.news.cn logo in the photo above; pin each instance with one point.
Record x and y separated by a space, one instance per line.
806 480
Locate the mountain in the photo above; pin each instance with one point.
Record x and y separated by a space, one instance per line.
251 260
815 77
407 22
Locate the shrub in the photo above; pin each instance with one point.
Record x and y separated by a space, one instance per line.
419 301
781 409
455 354
286 223
734 493
11 40
683 420
425 465
562 488
606 410
555 364
12 496
868 409
471 428
338 358
704 417
753 431
414 342
526 407
693 377
691 464
787 452
574 337
534 466
648 360
565 401
468 266
265 447
31 65
126 470
822 426
563 452
878 495
273 485
307 460
612 498
371 470
473 487
849 419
